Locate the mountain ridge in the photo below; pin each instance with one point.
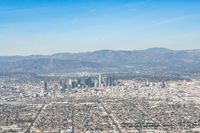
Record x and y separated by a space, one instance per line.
102 59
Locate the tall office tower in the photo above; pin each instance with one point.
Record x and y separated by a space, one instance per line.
105 81
70 81
100 80
79 81
63 87
96 83
88 81
73 83
110 81
44 91
45 87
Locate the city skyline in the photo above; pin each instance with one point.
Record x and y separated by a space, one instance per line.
99 66
30 27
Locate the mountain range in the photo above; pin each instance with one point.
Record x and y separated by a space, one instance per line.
177 60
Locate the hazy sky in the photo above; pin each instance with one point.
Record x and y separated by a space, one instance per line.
52 26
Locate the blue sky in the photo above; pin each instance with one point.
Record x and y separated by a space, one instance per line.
52 26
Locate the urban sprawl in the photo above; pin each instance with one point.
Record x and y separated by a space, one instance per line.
98 104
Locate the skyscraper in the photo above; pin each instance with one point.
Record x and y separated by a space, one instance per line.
63 86
88 81
44 91
45 86
96 83
105 81
110 81
100 80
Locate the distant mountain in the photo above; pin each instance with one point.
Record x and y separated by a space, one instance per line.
47 65
103 59
124 58
159 50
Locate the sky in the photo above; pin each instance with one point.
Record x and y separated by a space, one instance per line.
52 26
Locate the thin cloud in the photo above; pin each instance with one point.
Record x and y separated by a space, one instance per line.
170 21
176 19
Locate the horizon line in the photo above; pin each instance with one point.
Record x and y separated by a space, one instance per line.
24 55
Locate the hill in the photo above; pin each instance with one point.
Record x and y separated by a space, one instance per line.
182 60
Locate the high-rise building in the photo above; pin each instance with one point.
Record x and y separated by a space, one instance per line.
96 83
45 86
79 81
88 82
100 80
70 82
105 81
73 83
110 81
63 86
44 91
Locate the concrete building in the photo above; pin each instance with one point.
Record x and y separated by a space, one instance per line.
100 80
